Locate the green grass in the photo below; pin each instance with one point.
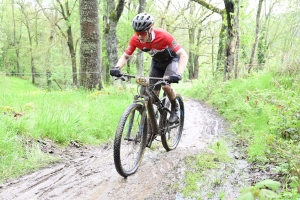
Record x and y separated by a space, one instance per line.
88 117
199 166
263 110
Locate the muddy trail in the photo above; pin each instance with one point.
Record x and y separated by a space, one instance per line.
89 172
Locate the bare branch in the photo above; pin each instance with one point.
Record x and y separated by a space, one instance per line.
210 6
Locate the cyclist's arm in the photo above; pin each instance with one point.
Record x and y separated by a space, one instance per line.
122 60
171 42
128 52
183 61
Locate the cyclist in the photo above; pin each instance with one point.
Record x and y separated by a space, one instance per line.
169 59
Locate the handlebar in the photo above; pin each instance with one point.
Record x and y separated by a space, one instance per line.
143 80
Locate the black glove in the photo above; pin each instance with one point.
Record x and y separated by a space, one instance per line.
115 72
174 78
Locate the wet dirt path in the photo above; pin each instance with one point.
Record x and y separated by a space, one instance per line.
89 173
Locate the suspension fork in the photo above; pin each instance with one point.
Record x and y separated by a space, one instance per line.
132 116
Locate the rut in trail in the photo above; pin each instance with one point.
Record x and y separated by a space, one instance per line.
89 172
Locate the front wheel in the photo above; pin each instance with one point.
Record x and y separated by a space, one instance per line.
130 140
172 132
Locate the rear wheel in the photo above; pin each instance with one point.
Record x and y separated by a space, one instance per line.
172 132
130 140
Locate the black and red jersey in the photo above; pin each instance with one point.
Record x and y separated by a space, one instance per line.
162 47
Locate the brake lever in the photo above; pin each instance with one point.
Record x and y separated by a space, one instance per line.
122 77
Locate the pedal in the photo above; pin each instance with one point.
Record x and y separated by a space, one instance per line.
150 140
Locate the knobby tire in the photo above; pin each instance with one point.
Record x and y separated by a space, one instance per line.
171 136
130 140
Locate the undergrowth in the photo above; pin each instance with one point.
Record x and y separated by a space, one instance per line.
263 111
31 114
199 179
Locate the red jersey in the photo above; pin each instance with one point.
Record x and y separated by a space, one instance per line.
162 47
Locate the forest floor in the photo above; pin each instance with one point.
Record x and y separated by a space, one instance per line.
88 172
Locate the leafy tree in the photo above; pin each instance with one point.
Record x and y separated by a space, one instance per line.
28 17
11 35
66 9
256 36
227 38
111 18
238 41
197 20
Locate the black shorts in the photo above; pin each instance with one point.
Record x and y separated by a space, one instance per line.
163 69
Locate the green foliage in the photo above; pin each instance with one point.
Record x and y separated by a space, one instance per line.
263 111
29 114
199 166
2 39
262 190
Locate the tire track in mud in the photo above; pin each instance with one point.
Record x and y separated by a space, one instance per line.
91 173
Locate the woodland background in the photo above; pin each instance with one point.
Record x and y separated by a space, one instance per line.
243 60
72 44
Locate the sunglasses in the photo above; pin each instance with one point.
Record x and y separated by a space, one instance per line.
143 34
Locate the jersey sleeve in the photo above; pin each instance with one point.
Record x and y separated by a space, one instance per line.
172 43
131 46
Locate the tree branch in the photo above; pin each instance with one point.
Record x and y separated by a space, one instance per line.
210 6
120 8
62 10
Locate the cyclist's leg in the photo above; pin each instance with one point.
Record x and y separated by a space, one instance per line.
170 70
157 70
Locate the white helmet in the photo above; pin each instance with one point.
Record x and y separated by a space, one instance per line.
142 22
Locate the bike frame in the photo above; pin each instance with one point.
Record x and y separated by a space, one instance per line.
148 100
151 113
152 97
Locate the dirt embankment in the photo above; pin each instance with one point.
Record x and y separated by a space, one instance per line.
89 172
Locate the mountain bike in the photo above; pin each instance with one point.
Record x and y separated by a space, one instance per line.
142 122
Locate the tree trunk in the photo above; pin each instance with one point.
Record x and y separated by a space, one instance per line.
15 42
196 57
228 50
32 68
196 66
51 37
111 20
140 63
26 21
33 72
221 49
90 44
231 40
222 35
73 55
191 65
191 62
66 13
256 36
194 41
237 25
263 43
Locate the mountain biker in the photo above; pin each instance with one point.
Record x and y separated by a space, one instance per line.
168 58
